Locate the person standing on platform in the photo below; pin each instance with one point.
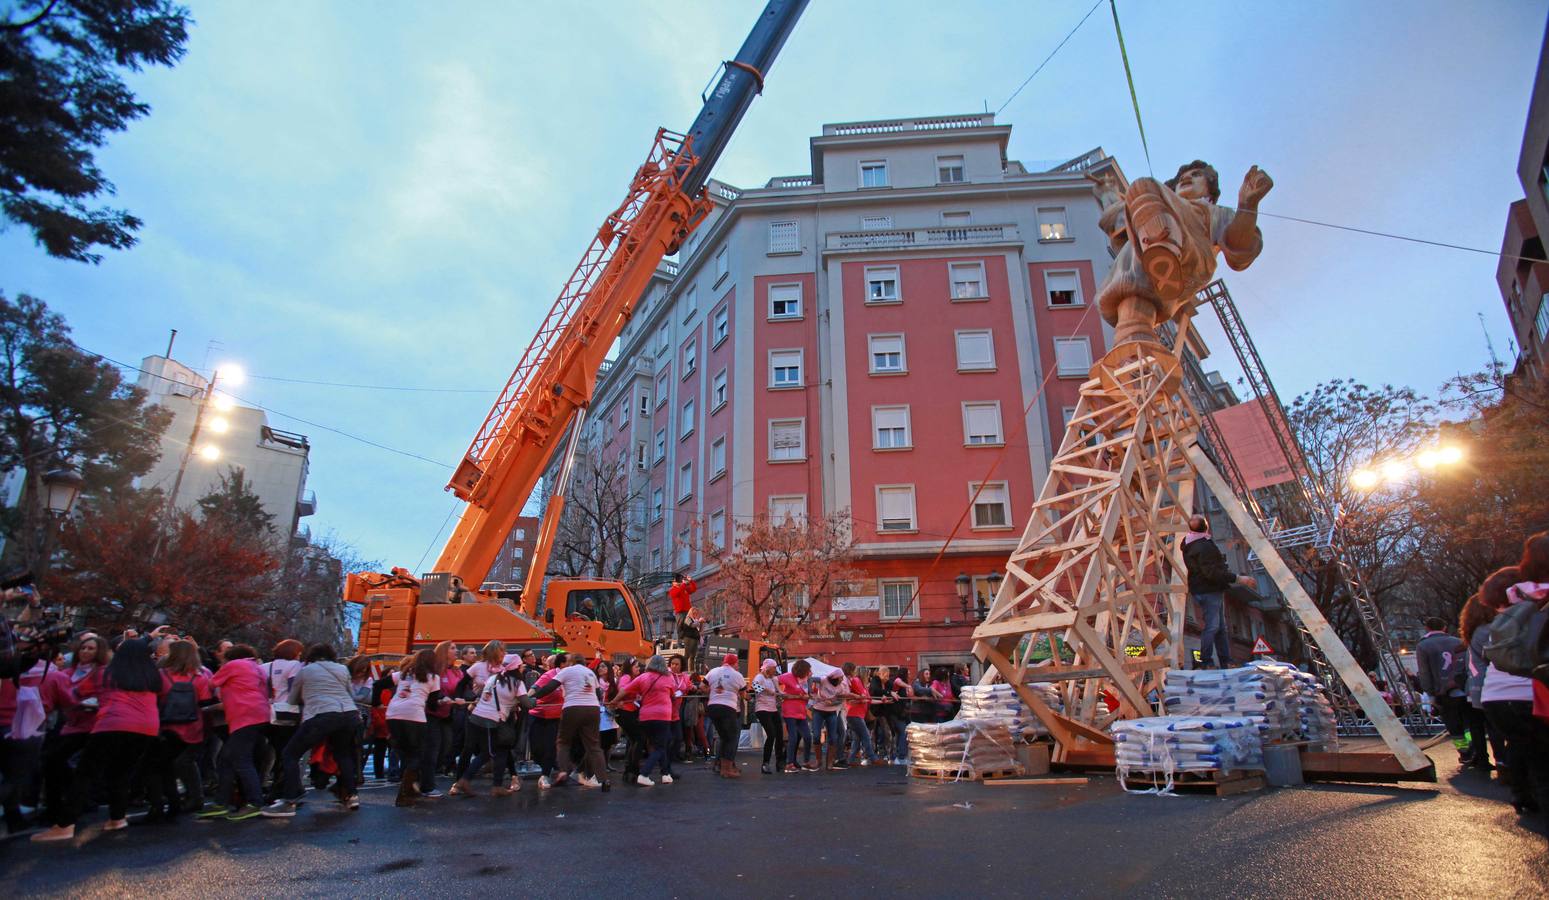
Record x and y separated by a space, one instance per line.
1209 578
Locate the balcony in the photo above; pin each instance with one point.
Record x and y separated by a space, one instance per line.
668 267
307 505
901 126
909 238
789 181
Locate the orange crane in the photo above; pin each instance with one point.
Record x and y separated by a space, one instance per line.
547 397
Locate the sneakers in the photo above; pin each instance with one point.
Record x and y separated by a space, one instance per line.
865 762
765 769
841 764
55 833
116 825
808 767
544 783
432 794
666 779
214 811
644 781
791 768
244 812
588 781
559 777
352 802
279 809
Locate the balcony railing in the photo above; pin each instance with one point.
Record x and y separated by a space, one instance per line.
923 237
1083 162
789 181
897 126
668 266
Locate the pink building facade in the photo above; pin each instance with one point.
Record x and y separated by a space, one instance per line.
891 335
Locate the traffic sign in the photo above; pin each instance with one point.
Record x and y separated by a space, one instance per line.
1261 647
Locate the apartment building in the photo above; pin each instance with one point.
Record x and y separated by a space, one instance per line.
510 568
1521 275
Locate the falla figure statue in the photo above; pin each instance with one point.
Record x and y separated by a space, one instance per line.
1165 237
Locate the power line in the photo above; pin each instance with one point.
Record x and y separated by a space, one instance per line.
1049 57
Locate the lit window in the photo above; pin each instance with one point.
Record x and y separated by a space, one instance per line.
661 445
882 285
784 368
890 426
949 169
967 280
975 351
690 358
898 599
721 264
718 528
787 440
785 509
784 237
887 353
981 423
992 508
1064 288
785 301
874 173
895 508
685 481
720 325
876 223
657 504
718 391
1051 224
718 457
687 420
1072 356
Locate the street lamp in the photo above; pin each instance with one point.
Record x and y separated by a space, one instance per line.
1396 468
995 579
61 487
963 583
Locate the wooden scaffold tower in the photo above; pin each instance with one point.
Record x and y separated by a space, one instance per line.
1094 596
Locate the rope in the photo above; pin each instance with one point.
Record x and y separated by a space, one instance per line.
1130 77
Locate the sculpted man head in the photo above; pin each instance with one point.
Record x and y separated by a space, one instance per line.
1197 180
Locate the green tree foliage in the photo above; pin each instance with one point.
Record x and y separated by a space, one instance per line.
59 405
62 95
235 507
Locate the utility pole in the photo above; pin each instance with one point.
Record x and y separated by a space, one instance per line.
193 440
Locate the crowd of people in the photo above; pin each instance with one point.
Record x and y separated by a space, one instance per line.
224 733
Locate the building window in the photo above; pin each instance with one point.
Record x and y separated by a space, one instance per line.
967 281
785 301
887 353
718 457
882 284
720 326
787 440
1541 321
876 223
661 446
981 424
718 529
685 548
661 390
898 599
686 422
992 508
690 303
640 455
516 552
949 169
975 351
657 504
1072 356
690 358
784 237
722 264
874 173
623 416
1064 288
1066 414
895 507
663 338
521 534
685 481
784 368
718 391
645 404
890 427
787 509
1051 224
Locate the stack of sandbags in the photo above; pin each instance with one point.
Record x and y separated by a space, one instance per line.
1264 692
1159 746
1003 703
1315 713
967 745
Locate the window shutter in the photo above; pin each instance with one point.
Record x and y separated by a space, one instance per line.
784 237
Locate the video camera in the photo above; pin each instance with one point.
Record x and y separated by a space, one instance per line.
28 635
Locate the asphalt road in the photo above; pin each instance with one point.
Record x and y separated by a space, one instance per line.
869 832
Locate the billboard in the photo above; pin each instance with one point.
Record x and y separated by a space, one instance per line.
1252 445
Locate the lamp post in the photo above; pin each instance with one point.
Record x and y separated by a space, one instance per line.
61 487
995 579
963 582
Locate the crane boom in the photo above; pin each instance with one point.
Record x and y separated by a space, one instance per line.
557 374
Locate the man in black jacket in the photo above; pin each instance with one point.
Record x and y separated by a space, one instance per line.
1209 578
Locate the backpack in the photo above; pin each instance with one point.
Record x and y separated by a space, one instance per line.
1519 641
180 705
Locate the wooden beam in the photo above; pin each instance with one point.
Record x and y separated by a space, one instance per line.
1323 634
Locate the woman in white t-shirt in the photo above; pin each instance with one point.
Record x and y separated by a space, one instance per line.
414 686
724 708
766 708
492 729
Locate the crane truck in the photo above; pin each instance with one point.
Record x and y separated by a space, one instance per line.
543 406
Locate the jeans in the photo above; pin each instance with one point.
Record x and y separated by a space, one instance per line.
542 734
774 735
797 733
1527 750
161 773
430 753
634 736
1214 643
659 734
860 737
237 766
830 722
116 754
338 729
580 723
728 726
900 738
479 739
276 736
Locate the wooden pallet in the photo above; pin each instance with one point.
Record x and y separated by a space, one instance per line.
1221 784
955 774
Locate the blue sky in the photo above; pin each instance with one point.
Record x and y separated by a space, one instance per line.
392 194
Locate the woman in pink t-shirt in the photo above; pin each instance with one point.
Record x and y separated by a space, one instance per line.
244 696
91 656
793 708
182 728
125 731
654 688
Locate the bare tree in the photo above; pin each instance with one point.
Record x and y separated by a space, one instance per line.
599 523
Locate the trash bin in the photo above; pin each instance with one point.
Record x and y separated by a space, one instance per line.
1282 765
